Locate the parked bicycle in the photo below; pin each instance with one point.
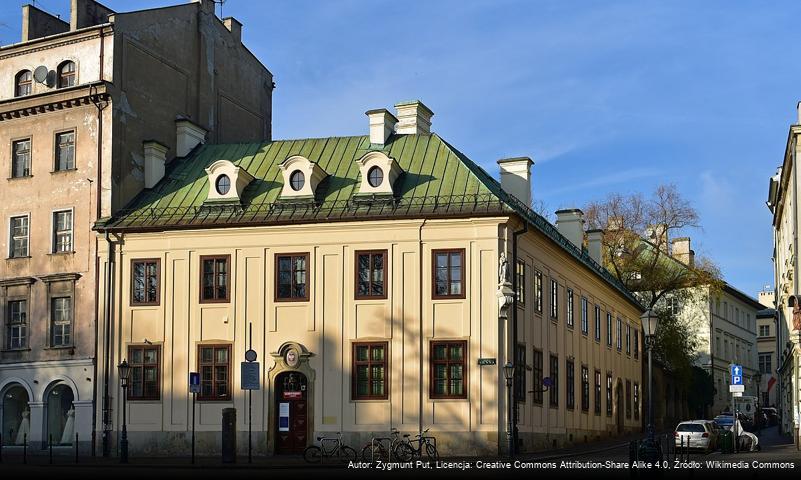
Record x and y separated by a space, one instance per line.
377 448
330 447
410 449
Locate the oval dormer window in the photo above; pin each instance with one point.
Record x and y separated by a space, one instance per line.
375 177
223 184
297 180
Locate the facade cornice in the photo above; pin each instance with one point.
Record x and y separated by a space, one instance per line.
54 100
53 41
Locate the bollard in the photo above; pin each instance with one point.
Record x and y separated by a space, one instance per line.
51 449
1 447
24 448
76 447
229 435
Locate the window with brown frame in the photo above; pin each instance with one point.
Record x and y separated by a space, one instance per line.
537 394
214 366
291 277
370 371
448 369
145 372
597 392
520 373
553 390
448 274
145 285
214 278
371 274
628 398
521 282
23 83
66 74
570 384
585 389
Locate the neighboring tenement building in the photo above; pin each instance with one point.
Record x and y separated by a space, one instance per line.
90 110
767 348
376 274
782 201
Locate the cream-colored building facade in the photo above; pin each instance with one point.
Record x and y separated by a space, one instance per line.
782 201
376 274
767 348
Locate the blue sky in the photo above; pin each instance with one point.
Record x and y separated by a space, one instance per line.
605 96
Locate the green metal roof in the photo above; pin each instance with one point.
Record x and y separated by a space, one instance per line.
437 181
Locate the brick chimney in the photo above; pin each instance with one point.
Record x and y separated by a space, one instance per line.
38 23
570 223
516 177
382 125
155 160
86 13
413 118
235 27
682 252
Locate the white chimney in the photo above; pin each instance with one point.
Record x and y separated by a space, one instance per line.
594 242
413 118
382 125
155 158
798 109
682 252
570 223
516 177
235 27
187 136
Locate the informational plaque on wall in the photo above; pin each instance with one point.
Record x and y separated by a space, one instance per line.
250 376
283 417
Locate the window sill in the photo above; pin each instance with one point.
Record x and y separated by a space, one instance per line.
369 400
66 170
448 399
12 350
19 178
61 254
18 258
60 347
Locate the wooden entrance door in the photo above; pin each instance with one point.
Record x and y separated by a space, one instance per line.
291 413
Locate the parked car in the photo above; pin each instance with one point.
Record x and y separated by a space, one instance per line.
726 422
698 434
772 415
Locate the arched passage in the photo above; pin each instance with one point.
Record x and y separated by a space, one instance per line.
16 414
59 422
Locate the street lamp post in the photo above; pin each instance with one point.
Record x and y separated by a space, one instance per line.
650 321
509 374
125 371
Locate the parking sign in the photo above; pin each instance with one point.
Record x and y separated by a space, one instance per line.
194 382
736 374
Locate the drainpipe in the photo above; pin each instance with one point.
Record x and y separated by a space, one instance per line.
515 393
420 339
107 344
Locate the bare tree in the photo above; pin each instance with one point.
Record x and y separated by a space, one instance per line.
636 247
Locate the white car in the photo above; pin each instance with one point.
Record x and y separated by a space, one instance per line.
696 434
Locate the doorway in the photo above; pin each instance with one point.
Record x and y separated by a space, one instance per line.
291 413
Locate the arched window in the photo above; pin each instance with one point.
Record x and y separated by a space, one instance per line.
66 74
60 415
22 83
16 420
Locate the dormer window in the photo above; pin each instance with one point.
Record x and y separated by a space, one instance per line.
22 83
226 183
223 184
297 180
66 74
375 177
301 177
379 173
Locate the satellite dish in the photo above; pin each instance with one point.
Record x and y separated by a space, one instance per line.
40 74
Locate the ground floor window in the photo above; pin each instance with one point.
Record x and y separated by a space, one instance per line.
60 415
214 362
537 379
553 390
448 369
369 371
628 398
597 392
608 394
636 401
570 385
16 419
144 361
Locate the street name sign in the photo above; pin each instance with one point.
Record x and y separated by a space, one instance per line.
486 361
194 382
250 376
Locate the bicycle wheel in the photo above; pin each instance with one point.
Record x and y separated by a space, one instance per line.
347 454
431 451
313 454
404 452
